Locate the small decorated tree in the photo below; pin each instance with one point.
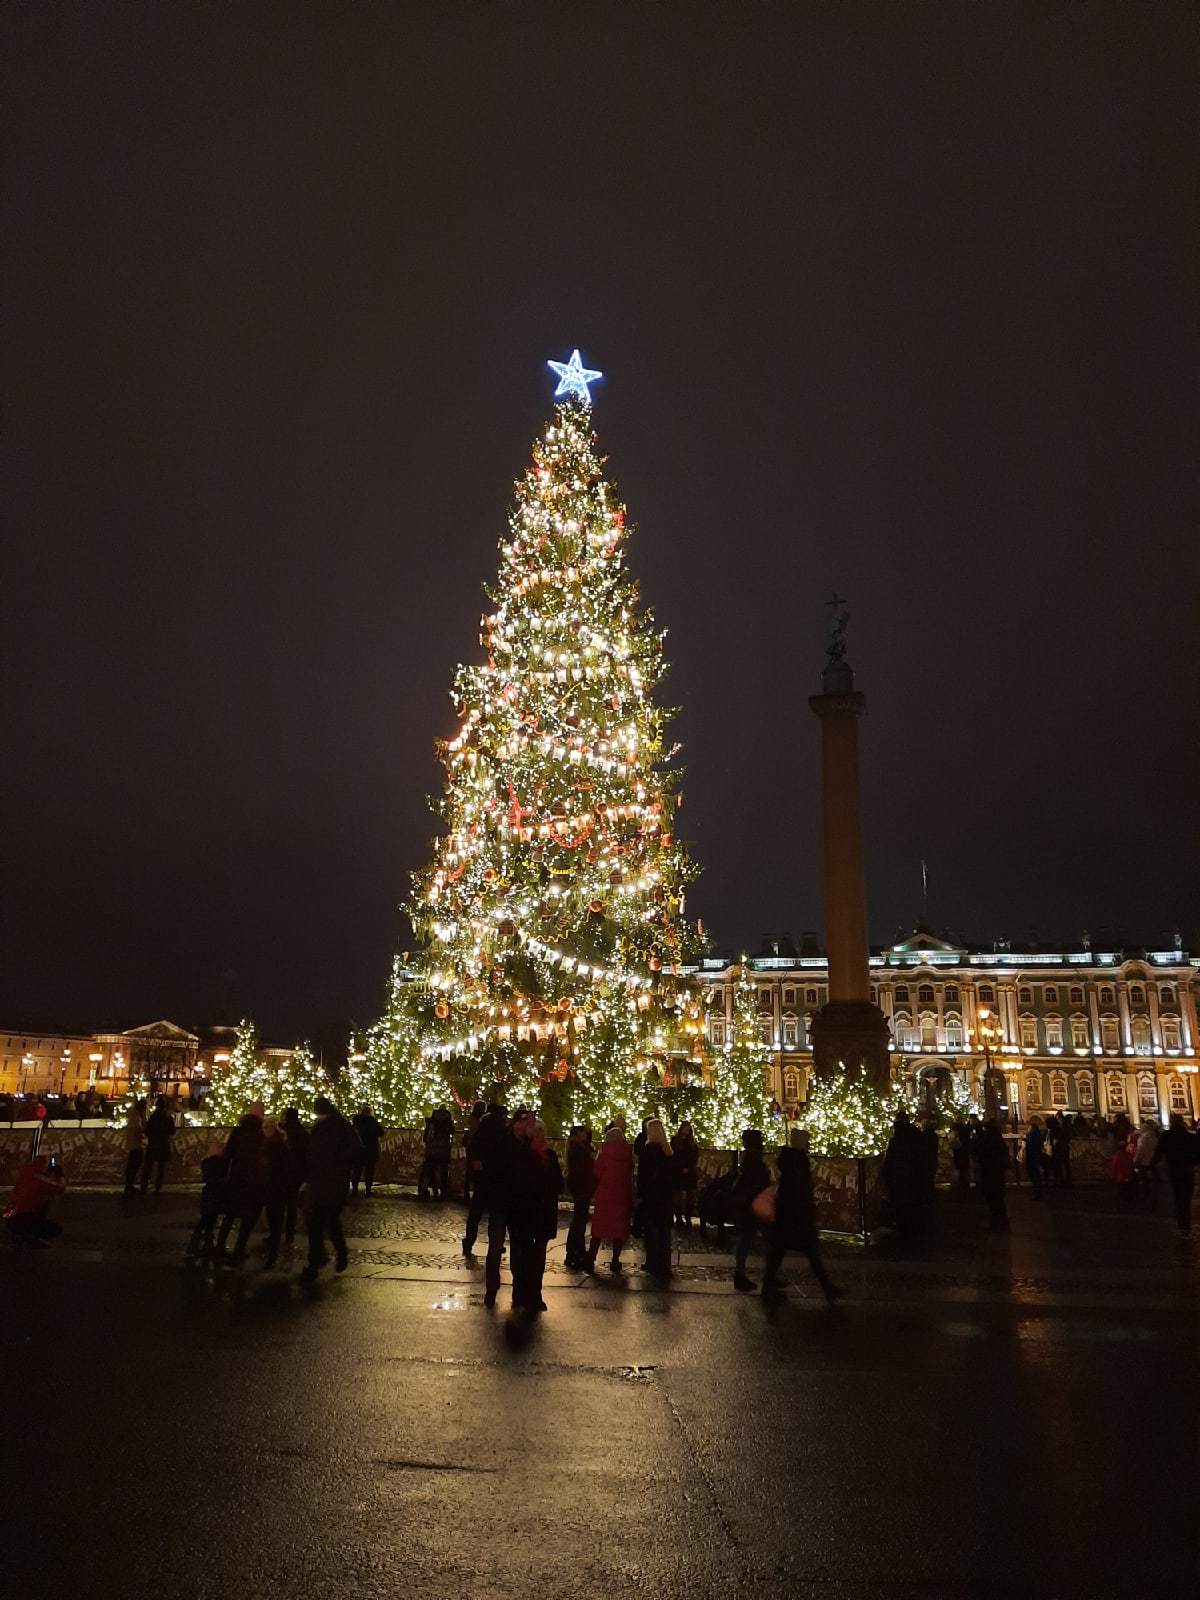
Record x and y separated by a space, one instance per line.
739 1097
297 1083
388 1069
242 1081
847 1116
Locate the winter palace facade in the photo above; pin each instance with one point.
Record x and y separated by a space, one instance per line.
1082 1030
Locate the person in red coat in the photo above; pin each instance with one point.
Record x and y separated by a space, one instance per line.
27 1216
612 1207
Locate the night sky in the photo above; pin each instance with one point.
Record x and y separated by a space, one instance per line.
896 299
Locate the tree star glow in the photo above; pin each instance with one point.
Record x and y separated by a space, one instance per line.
573 377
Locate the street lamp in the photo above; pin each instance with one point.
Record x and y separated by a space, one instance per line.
990 1037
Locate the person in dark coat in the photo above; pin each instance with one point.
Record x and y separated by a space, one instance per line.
687 1173
795 1225
333 1151
1035 1153
435 1169
369 1132
753 1177
487 1144
993 1168
960 1154
1180 1150
160 1130
903 1162
929 1161
581 1165
535 1185
276 1175
1059 1134
212 1200
245 1193
296 1135
135 1139
656 1195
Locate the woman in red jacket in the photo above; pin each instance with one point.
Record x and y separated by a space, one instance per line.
612 1207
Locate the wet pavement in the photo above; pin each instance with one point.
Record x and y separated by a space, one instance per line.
992 1415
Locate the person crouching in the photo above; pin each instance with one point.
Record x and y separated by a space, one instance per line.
27 1216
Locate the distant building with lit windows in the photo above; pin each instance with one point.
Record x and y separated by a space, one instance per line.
1083 1030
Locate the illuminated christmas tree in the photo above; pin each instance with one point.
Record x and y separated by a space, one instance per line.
241 1082
552 912
387 1069
297 1083
740 1097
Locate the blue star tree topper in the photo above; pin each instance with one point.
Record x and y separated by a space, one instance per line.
573 378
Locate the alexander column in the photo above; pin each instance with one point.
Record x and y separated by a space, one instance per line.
849 1030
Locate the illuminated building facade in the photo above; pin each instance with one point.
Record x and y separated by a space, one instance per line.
1081 1030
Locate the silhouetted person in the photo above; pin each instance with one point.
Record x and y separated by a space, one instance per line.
1179 1150
928 1137
435 1169
27 1215
296 1135
687 1174
902 1174
245 1177
333 1151
277 1173
1145 1171
1059 1134
536 1183
160 1130
135 1139
470 1170
497 1152
212 1199
581 1166
993 1168
612 1201
753 1177
656 1195
486 1142
369 1132
795 1224
1035 1149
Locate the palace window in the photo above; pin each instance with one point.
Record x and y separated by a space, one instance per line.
1054 1033
1025 997
905 1039
1110 1039
1147 1094
716 1030
986 991
1177 1095
791 1087
767 1032
1106 996
1137 995
925 995
1140 1030
1166 994
789 997
950 994
1033 1090
954 1033
766 1001
769 1081
1085 1090
1050 994
1170 1033
1114 1091
811 997
791 1033
874 995
1076 996
1058 1090
1028 1033
928 1031
1079 1033
901 991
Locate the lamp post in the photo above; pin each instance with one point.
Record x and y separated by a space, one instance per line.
989 1036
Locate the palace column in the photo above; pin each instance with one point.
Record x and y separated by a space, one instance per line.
849 1030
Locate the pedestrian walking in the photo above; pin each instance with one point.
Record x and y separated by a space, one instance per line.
160 1132
1124 1170
656 1196
470 1170
1035 1147
612 1204
486 1141
993 1169
1060 1150
687 1174
795 1224
753 1177
1145 1171
929 1151
212 1200
333 1151
277 1173
960 1154
498 1177
135 1140
902 1175
537 1182
245 1166
581 1167
370 1133
296 1135
434 1176
1179 1150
